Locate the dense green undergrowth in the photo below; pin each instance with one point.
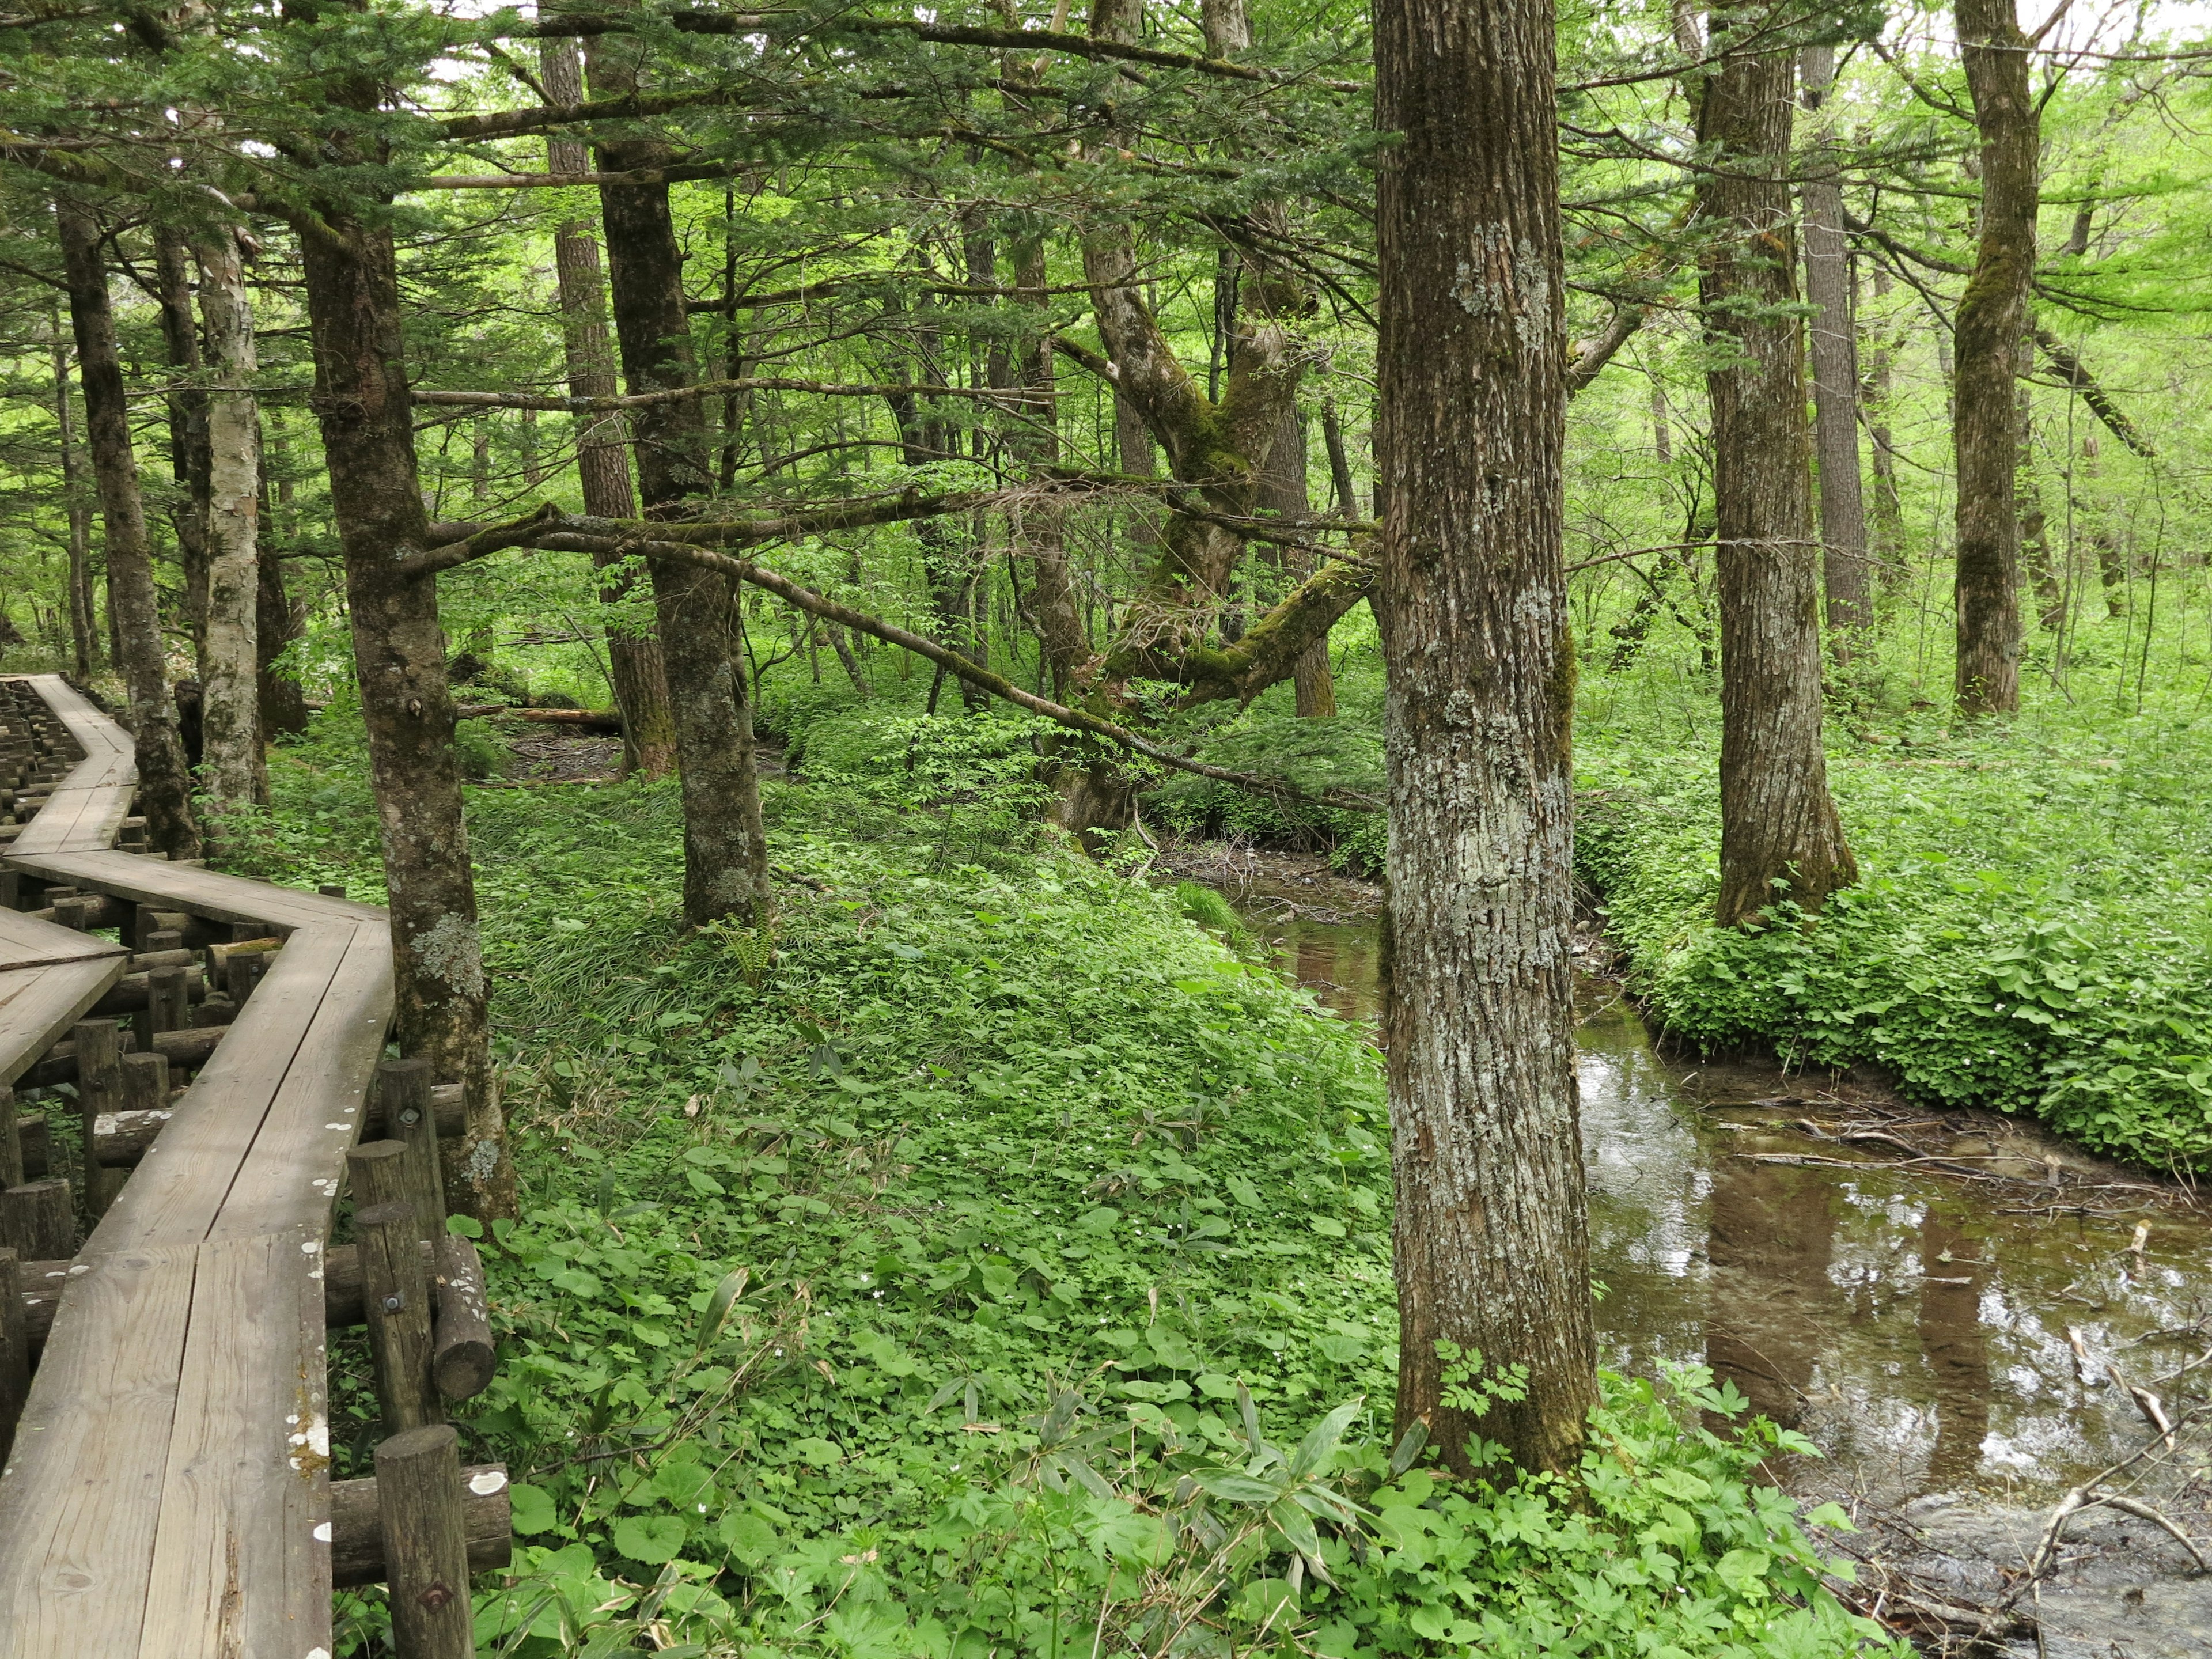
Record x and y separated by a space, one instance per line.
986 1261
2031 930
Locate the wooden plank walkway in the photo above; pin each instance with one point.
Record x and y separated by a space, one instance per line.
169 1492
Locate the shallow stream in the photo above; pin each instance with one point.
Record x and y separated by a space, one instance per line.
1943 1329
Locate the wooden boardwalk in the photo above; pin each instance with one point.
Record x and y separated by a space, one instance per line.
168 1492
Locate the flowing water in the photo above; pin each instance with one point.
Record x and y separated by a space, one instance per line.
1945 1342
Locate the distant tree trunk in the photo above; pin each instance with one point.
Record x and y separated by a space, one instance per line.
1888 508
1039 528
84 635
362 401
1780 836
188 432
1491 1231
1835 374
278 620
725 845
636 665
1662 424
234 775
2112 567
1990 325
164 785
1284 489
2034 528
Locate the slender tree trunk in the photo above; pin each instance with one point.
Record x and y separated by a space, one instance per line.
84 635
1491 1231
1284 489
1835 374
636 663
1888 506
362 400
164 785
2111 567
1039 528
188 432
1991 323
278 619
725 845
2034 525
233 774
1780 836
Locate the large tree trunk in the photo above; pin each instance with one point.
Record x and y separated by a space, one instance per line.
84 635
1491 1231
635 663
188 432
362 400
1780 836
164 785
234 774
725 845
1991 323
1835 374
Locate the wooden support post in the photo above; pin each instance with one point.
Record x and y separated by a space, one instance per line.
164 938
72 913
426 1547
240 974
15 1350
461 1355
332 889
403 1100
35 1220
396 1296
12 1142
142 925
99 1089
168 1003
145 1088
357 1526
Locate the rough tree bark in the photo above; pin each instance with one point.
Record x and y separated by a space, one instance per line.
84 635
233 774
365 408
188 430
1835 371
635 663
1491 1231
724 846
1780 836
164 785
1992 322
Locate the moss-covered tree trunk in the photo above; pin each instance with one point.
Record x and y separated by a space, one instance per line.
1780 836
1491 1231
725 845
1987 335
164 785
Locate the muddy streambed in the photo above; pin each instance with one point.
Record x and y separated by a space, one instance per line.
1947 1330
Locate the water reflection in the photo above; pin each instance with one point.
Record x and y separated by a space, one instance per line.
1914 1327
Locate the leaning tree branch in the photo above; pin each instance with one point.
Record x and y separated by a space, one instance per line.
746 570
703 389
2073 375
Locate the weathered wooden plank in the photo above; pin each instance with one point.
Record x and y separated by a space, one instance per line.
237 1567
81 1494
37 1005
182 887
27 942
181 1184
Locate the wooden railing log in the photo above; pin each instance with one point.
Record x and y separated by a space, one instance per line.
357 1526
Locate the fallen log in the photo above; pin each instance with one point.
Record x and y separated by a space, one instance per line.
588 719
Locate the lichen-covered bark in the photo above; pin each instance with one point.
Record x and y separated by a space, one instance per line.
725 845
1780 836
635 664
233 774
400 661
164 785
1987 336
1491 1231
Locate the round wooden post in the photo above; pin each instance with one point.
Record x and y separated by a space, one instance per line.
241 971
11 1144
35 1220
426 1548
403 1090
145 1085
167 1001
395 1294
98 1089
15 1350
